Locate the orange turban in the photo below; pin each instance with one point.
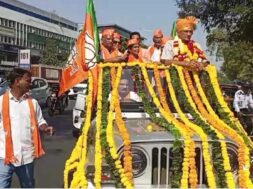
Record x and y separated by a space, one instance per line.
116 35
108 32
132 42
158 33
188 23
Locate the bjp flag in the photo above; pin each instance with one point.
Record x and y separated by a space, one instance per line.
86 54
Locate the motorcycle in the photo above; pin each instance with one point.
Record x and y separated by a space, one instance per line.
58 103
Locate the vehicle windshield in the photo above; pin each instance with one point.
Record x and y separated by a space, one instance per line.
130 98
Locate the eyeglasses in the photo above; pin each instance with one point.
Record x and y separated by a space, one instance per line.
116 42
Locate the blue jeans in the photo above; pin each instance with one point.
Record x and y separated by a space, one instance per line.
25 175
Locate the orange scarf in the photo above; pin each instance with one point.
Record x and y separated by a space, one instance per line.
9 154
107 54
131 58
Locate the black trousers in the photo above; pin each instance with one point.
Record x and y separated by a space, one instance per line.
247 120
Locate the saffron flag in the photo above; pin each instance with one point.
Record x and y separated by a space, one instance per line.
84 55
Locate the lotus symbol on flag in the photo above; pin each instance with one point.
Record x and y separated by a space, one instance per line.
90 52
72 56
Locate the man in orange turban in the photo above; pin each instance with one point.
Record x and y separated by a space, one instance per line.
133 46
183 49
109 54
155 50
142 51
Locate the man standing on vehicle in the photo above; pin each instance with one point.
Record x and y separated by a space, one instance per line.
243 105
183 50
20 122
142 52
155 51
108 53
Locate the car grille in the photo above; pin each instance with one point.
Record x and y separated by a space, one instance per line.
162 166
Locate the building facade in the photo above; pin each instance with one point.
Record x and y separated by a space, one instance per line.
26 27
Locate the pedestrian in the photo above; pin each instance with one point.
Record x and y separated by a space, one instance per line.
243 106
20 122
183 50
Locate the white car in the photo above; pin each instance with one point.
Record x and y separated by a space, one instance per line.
40 90
76 89
78 111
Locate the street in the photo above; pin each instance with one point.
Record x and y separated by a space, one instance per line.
49 169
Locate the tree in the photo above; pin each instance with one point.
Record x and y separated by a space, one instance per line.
229 24
51 55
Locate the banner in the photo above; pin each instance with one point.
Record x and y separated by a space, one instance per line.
25 58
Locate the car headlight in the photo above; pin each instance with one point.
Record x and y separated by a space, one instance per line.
139 161
233 157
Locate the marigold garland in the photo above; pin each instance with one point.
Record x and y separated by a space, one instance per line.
78 157
212 73
243 151
197 129
226 164
124 134
98 149
109 132
183 131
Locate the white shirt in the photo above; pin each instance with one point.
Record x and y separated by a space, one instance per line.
242 101
132 96
168 51
156 55
21 129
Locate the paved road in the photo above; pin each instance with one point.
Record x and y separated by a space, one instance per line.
49 169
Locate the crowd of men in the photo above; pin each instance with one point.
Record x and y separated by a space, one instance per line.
163 49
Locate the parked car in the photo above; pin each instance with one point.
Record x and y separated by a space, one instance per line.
3 87
79 88
40 90
78 111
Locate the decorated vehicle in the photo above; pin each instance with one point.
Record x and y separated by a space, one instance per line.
174 132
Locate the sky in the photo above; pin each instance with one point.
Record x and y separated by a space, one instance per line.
143 16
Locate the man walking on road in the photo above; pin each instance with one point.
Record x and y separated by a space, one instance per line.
20 121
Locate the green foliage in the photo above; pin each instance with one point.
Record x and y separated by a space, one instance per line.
51 55
229 24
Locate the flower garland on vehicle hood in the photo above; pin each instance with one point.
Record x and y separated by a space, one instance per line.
76 165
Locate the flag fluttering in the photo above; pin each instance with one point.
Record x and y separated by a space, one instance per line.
84 56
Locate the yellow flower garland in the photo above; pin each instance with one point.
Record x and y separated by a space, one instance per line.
124 134
98 148
109 132
243 152
78 157
197 129
212 71
171 119
226 164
